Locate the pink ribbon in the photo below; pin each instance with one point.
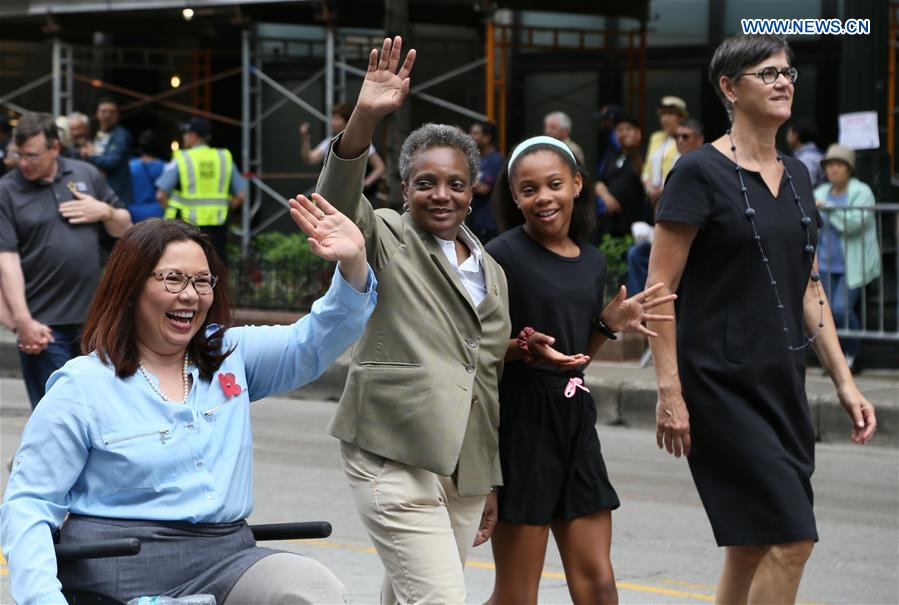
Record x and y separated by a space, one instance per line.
573 385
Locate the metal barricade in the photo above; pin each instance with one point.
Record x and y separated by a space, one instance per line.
870 309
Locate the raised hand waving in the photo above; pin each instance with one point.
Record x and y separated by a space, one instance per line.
386 84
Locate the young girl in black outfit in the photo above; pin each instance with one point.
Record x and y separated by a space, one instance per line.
553 473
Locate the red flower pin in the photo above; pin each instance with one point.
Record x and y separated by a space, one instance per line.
229 384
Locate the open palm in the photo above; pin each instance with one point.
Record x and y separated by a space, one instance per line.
332 235
384 88
629 314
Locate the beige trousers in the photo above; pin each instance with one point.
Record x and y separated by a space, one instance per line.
420 526
286 578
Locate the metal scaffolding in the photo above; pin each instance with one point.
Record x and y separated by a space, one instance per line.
341 48
336 67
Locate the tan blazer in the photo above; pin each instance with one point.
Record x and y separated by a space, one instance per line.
422 385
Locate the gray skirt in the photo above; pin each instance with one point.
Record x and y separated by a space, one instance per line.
176 558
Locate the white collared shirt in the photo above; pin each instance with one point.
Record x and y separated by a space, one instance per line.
471 272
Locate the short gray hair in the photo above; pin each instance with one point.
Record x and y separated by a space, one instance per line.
736 53
77 115
564 120
430 136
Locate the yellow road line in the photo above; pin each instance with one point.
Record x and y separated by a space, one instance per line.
553 575
690 584
666 591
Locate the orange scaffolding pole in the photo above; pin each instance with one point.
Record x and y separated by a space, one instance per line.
97 83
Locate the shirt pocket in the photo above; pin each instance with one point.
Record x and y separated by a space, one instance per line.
229 420
397 365
137 451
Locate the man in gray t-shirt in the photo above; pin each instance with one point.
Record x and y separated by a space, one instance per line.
53 212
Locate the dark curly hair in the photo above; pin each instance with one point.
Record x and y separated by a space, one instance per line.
508 215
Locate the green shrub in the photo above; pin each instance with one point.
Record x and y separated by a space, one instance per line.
615 250
281 272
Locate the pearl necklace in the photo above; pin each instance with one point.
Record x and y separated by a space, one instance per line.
185 381
809 249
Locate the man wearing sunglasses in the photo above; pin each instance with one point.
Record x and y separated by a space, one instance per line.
53 212
689 136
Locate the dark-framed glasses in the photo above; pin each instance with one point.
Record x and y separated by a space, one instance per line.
769 74
176 282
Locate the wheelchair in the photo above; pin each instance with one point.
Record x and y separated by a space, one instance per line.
125 547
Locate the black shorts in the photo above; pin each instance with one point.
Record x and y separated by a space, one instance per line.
550 453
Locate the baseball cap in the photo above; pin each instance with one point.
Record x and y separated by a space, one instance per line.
610 112
625 117
675 103
199 125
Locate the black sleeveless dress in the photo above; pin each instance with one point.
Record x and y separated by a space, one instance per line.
753 444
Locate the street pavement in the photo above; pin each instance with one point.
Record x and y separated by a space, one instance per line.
663 550
625 392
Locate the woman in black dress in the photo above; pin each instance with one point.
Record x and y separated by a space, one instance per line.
735 237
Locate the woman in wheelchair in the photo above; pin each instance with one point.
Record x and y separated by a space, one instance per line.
148 435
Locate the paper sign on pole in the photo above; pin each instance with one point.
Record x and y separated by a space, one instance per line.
858 130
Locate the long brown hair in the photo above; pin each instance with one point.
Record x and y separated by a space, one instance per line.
109 328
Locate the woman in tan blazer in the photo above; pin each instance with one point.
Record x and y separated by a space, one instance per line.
419 416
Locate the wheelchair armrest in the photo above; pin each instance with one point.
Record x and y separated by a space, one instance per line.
101 549
291 531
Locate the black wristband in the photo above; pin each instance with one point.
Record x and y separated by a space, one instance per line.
602 327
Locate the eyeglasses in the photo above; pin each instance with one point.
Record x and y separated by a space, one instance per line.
683 136
769 74
28 157
176 282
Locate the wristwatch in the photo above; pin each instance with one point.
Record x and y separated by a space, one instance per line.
600 325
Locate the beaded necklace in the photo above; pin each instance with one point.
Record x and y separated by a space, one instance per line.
809 249
185 383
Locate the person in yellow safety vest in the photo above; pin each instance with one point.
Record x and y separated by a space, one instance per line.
201 184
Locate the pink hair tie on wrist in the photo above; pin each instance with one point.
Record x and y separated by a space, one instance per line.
574 383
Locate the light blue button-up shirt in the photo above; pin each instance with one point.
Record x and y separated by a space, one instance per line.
102 446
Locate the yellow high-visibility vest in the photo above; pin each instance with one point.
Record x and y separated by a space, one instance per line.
204 177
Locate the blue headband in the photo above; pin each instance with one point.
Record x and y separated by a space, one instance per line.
540 140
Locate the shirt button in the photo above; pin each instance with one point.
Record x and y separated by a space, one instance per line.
200 464
190 427
210 497
474 399
471 342
469 368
